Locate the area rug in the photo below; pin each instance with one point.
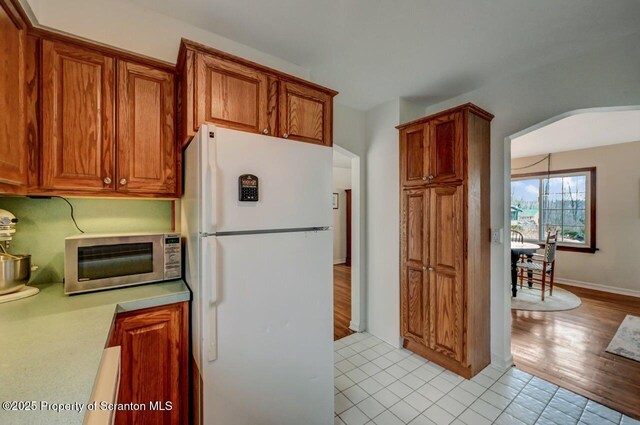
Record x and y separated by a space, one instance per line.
529 299
626 341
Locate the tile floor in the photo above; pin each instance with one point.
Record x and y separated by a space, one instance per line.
378 384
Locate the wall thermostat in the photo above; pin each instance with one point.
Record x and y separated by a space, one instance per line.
248 188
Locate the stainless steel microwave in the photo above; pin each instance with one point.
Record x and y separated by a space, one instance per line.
95 262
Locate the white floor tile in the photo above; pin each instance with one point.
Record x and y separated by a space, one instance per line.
400 389
442 384
422 420
387 418
382 362
449 404
396 371
603 411
384 378
557 416
483 380
371 386
557 403
356 375
463 397
409 364
496 400
521 412
438 415
508 392
431 392
626 420
342 382
412 381
386 397
370 369
342 403
338 421
355 394
418 401
470 417
472 387
358 360
353 416
589 418
485 409
404 411
452 377
507 419
371 407
345 366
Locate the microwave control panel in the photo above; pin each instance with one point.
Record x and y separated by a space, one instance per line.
172 256
248 188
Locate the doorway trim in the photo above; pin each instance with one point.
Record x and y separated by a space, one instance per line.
506 349
358 292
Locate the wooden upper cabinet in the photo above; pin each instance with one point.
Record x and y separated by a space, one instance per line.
414 288
229 91
154 365
146 130
414 160
77 118
305 114
446 300
446 144
13 144
230 94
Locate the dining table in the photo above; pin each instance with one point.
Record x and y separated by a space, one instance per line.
519 249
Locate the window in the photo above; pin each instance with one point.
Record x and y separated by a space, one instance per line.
562 200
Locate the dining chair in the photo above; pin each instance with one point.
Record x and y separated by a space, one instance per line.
539 266
517 236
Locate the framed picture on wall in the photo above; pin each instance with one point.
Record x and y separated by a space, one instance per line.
335 201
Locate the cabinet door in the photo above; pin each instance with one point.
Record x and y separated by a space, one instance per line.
230 94
414 158
414 285
13 149
154 363
446 232
446 142
77 118
305 114
146 130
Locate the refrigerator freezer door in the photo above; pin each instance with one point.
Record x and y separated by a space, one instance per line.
295 182
274 362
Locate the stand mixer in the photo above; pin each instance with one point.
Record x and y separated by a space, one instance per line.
15 270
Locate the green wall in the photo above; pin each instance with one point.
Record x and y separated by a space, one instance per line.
44 223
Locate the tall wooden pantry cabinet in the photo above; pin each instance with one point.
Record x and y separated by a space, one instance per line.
445 237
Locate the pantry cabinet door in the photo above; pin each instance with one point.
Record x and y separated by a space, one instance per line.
446 144
146 130
77 118
414 155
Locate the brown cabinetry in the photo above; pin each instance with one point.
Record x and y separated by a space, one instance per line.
154 364
229 91
108 124
444 276
13 143
146 130
77 118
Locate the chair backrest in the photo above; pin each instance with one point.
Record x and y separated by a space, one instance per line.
550 247
517 236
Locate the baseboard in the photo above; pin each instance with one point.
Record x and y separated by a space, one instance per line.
502 363
598 287
339 261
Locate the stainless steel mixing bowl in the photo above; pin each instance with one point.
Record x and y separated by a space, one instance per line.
15 272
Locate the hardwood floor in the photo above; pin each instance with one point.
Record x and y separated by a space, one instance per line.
341 301
567 348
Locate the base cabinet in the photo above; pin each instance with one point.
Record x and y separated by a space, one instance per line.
154 364
444 238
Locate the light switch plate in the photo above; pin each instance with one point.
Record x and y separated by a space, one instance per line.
497 236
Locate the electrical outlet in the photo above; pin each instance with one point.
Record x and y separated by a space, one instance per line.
497 236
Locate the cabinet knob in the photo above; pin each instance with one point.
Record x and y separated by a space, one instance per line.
285 135
123 181
424 177
430 269
424 268
265 131
107 180
430 177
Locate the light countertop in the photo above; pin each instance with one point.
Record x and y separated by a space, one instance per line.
51 344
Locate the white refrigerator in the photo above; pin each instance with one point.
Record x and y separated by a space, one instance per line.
261 275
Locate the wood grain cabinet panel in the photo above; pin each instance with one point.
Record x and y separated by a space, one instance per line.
445 148
154 364
77 118
415 159
414 289
146 130
444 238
13 144
230 94
446 271
305 114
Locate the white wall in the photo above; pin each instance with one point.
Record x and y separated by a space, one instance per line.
606 75
130 27
341 181
615 266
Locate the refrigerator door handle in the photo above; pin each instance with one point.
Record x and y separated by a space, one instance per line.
209 183
210 283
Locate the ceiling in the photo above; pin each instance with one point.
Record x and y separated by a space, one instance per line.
581 131
373 51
